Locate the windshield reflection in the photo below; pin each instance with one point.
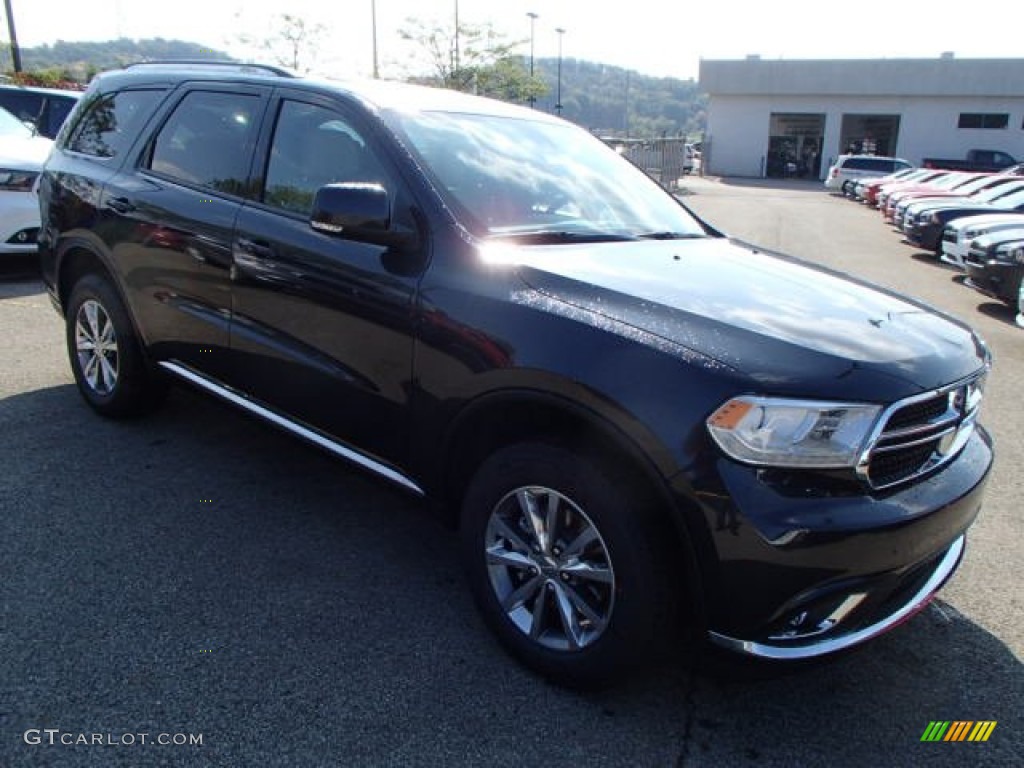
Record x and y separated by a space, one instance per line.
511 177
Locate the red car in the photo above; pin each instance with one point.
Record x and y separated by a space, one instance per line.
948 180
923 175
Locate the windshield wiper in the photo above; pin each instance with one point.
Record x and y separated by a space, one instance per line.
671 235
545 236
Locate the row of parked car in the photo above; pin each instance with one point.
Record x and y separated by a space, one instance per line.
972 221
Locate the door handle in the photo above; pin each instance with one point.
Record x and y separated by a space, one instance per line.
260 248
120 204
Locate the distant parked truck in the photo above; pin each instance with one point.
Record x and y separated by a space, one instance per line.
977 160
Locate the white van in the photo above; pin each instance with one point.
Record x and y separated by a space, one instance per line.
855 167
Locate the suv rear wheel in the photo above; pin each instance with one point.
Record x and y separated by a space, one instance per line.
567 564
105 354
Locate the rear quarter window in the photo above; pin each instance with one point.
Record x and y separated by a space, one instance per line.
111 122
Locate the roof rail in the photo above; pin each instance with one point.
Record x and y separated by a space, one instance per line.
279 71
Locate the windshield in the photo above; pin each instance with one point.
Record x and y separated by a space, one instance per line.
12 126
513 177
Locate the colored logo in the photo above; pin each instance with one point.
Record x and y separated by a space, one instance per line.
958 730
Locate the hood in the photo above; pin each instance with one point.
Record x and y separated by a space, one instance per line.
995 219
923 202
772 317
984 242
24 153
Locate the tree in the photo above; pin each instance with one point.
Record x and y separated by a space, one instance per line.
477 60
295 44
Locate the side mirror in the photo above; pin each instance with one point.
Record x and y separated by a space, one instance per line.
356 211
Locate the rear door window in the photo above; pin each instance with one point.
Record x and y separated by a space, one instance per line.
207 140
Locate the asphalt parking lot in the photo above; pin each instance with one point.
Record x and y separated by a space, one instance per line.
198 573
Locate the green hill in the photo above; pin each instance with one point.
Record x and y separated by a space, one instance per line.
78 61
596 96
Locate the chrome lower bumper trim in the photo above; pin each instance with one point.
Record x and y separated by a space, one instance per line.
793 652
338 449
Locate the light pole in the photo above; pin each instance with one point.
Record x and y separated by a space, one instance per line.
533 19
558 97
373 20
457 63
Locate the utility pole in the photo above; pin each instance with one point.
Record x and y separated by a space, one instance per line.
15 50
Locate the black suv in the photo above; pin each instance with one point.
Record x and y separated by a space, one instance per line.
637 424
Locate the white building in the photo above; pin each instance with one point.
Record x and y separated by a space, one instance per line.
768 118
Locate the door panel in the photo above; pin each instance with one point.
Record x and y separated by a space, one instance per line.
322 327
173 220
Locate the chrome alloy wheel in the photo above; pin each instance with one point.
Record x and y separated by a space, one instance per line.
96 346
549 568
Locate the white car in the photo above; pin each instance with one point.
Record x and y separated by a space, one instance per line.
22 154
958 234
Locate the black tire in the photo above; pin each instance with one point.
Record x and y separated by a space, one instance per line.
114 379
632 619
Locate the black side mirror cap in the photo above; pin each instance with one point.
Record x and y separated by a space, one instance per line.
357 211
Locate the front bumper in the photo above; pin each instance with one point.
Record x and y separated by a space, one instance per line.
954 247
927 236
801 573
777 647
19 222
998 279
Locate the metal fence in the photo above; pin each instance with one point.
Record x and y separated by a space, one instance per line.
664 160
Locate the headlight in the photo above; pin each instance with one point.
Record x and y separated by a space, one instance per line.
793 433
17 181
1013 253
970 234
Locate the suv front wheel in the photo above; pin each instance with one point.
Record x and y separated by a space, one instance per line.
567 564
105 354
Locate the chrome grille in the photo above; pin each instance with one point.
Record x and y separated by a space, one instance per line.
922 433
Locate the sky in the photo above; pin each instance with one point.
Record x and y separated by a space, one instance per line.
656 37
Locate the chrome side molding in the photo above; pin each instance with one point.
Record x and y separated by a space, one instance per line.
338 449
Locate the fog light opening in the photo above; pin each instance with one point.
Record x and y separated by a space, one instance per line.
808 622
